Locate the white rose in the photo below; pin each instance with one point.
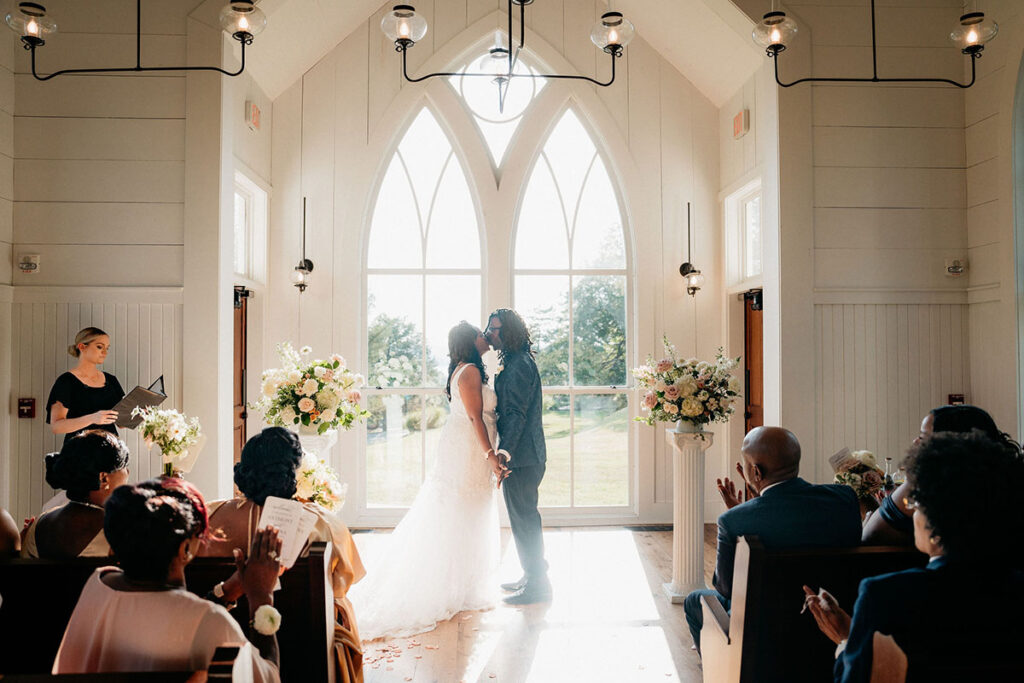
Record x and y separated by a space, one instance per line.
866 457
294 376
734 385
660 386
327 400
670 408
702 396
287 415
687 385
309 387
692 407
269 388
319 371
306 405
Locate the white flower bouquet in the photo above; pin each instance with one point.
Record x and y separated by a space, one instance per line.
687 390
317 482
861 472
317 394
178 437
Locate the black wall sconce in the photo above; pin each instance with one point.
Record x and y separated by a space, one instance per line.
694 278
301 274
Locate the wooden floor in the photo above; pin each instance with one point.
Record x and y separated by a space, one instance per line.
609 620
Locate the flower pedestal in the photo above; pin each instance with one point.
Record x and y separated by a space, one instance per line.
318 445
687 512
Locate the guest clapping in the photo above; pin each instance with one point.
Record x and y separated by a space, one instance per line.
89 467
973 545
140 617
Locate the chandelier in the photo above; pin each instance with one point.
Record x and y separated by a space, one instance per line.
405 27
776 31
241 19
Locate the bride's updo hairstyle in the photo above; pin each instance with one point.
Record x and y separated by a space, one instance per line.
79 464
268 463
462 349
146 523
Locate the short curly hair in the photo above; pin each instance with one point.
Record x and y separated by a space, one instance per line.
268 464
83 458
939 471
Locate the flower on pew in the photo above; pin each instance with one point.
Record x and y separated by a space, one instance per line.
177 436
860 472
317 482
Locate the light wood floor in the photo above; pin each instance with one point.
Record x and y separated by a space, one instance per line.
609 620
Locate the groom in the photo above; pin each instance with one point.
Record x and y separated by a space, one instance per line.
521 449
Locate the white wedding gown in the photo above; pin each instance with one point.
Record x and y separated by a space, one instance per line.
443 556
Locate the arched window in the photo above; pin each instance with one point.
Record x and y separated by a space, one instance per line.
571 287
423 276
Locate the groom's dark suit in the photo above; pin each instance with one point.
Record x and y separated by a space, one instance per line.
521 435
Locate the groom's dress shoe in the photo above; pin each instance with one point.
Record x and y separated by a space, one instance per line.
530 594
515 586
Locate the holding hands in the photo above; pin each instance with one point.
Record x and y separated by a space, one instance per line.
498 466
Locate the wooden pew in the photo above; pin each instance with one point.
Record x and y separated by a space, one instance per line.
220 671
766 638
40 595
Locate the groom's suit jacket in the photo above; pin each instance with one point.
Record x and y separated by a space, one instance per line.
520 404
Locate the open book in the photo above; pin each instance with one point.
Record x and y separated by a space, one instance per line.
139 397
293 521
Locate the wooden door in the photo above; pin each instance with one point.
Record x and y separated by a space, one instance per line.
239 413
753 354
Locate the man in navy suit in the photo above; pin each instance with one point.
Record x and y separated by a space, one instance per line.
522 449
787 512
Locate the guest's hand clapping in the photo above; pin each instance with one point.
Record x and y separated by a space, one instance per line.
832 619
259 571
730 496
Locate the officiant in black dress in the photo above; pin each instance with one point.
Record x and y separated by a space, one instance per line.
83 397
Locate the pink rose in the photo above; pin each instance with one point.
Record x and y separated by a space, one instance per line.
650 400
671 392
664 365
354 396
872 479
306 405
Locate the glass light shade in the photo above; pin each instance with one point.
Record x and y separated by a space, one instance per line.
775 31
495 62
612 31
402 23
695 280
29 20
242 17
973 31
301 276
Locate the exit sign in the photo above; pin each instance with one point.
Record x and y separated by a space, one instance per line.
740 124
252 115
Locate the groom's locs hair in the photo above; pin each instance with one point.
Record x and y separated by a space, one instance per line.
462 349
515 337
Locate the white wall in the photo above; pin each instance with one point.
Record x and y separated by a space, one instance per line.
6 239
334 131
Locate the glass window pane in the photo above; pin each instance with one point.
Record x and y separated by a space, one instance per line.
453 239
241 248
598 241
569 150
543 302
601 450
599 330
450 298
424 149
395 235
752 236
554 488
394 462
541 237
395 330
435 415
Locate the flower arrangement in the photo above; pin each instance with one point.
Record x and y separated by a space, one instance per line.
687 390
174 433
317 394
317 482
860 472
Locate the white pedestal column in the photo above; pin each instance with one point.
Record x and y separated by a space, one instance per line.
687 513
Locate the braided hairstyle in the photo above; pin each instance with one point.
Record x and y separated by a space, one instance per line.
83 458
146 524
267 466
462 349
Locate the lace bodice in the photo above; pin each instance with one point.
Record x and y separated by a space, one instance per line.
490 404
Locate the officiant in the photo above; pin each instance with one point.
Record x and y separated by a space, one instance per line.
83 397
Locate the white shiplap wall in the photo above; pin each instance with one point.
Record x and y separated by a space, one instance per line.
881 368
145 330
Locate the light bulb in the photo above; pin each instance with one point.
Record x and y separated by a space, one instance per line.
243 24
32 28
613 37
403 29
972 37
776 36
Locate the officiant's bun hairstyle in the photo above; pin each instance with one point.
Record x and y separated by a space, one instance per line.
84 457
146 523
86 336
268 463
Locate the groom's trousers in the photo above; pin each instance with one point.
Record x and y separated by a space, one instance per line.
520 490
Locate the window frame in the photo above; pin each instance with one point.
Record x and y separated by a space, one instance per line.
734 207
256 195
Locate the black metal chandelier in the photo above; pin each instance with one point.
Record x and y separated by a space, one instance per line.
405 27
241 19
974 30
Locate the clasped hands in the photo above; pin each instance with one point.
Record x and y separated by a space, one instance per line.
731 496
499 466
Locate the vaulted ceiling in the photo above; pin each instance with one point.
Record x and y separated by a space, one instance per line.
708 41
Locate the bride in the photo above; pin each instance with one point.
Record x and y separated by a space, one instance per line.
443 555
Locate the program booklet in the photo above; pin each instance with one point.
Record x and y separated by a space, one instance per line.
293 521
136 398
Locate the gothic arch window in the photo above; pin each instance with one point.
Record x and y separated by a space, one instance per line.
423 275
571 284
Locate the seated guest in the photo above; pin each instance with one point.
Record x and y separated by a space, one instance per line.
10 537
89 467
787 512
141 617
893 523
268 468
974 548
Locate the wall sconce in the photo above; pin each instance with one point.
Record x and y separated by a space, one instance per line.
302 272
694 278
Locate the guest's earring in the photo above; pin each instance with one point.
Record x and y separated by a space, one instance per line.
936 540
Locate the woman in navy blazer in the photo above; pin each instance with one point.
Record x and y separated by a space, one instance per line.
961 614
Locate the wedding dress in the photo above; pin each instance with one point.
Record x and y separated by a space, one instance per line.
443 556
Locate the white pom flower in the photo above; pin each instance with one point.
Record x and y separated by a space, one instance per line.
266 620
319 371
288 415
687 385
692 407
306 350
294 376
